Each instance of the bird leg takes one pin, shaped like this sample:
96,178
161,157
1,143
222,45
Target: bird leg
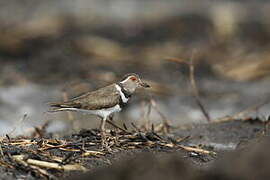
111,117
102,131
111,121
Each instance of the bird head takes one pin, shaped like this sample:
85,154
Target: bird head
132,81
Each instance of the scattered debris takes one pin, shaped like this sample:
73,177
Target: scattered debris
45,157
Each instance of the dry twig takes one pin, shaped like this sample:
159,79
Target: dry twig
17,125
116,126
193,83
197,150
165,120
195,89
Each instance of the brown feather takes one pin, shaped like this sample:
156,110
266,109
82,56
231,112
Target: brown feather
105,97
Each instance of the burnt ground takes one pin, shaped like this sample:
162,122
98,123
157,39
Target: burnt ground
201,151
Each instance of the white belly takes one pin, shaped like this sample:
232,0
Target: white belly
101,112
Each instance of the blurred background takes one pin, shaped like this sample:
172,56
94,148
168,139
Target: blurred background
53,49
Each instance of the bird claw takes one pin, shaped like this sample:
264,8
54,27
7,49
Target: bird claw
104,143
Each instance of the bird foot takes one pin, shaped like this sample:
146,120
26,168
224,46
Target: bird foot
104,143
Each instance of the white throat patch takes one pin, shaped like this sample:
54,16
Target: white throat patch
123,97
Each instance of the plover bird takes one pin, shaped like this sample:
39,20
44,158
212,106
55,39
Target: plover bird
104,101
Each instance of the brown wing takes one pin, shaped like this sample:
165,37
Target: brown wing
102,98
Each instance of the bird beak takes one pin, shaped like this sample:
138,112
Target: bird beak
145,85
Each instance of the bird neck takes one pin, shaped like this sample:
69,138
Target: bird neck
125,92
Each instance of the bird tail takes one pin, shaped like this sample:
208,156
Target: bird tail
58,110
61,105
56,107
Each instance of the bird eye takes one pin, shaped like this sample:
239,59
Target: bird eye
133,78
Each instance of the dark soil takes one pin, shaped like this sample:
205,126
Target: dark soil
133,154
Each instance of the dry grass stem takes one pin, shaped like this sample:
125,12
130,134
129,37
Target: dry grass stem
50,165
116,126
18,124
197,150
178,60
1,150
265,126
193,83
195,89
93,153
165,125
